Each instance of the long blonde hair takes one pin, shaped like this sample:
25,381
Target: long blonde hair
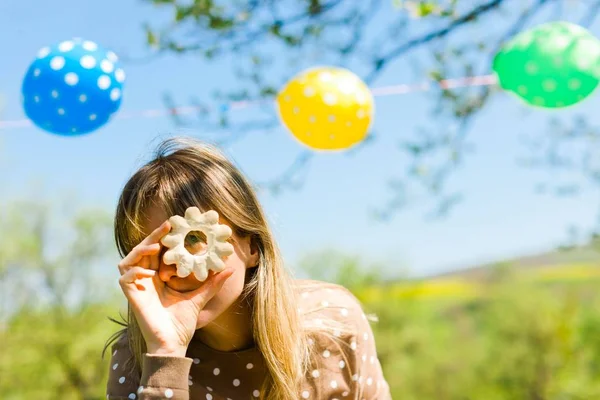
185,172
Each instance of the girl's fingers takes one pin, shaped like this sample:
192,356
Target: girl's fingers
136,255
155,258
211,287
133,274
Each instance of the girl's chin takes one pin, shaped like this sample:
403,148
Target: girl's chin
180,285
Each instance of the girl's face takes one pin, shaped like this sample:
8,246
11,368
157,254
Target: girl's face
243,257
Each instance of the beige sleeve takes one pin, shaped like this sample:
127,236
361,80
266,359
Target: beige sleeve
368,380
162,377
350,369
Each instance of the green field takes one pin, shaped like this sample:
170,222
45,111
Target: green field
457,287
517,334
512,333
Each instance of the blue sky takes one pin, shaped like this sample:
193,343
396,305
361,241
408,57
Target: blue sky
500,217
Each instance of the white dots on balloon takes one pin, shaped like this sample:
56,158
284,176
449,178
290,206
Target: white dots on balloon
360,114
531,68
43,52
115,94
361,97
107,66
71,78
66,46
112,57
89,46
574,84
57,63
309,91
538,100
561,41
87,62
329,99
584,62
325,77
72,87
347,86
104,82
120,75
549,85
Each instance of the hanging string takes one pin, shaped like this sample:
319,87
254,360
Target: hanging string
393,90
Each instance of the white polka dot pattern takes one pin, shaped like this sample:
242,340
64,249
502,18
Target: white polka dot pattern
353,370
346,370
64,74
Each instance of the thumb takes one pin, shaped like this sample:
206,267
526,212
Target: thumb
210,288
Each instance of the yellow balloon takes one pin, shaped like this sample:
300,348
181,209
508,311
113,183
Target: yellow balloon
327,108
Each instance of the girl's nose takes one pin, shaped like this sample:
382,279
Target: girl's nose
166,272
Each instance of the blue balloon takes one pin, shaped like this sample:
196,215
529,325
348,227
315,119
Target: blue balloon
73,87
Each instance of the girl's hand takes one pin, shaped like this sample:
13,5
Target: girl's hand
167,318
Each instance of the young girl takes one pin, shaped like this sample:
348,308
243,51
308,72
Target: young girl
248,332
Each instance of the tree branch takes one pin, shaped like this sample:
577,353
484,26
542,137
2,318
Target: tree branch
478,11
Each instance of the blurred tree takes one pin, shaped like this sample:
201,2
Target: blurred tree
444,38
54,303
344,269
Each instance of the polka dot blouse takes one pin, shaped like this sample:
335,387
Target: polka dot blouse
350,370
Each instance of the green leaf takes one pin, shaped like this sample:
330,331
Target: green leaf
181,13
219,23
151,38
425,8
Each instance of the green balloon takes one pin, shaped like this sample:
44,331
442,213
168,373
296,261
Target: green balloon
553,65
